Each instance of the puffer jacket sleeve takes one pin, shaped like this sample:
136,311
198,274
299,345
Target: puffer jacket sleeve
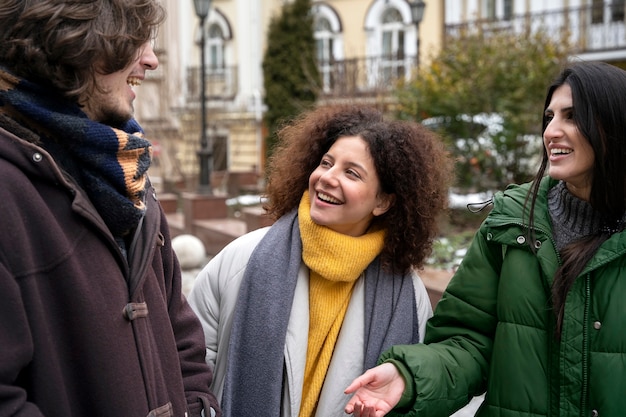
452,366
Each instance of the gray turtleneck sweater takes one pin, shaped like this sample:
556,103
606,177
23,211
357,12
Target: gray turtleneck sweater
572,218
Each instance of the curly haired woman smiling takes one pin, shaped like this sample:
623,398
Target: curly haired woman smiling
293,312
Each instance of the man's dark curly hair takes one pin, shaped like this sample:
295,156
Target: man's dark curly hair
63,44
410,161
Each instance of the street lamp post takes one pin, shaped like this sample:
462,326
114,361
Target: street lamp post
417,14
204,154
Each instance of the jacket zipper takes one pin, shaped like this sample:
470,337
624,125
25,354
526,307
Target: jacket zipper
585,359
552,378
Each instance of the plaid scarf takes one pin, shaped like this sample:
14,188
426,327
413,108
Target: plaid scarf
111,164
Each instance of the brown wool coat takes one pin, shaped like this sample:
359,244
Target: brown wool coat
83,332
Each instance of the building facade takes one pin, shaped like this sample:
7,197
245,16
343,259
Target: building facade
363,46
595,28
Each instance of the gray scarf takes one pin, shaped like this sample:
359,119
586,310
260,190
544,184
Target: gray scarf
254,375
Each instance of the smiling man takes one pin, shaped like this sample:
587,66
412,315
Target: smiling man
92,320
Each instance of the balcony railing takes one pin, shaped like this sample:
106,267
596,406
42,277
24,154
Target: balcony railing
220,83
588,29
358,77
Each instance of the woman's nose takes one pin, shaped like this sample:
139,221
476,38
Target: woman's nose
553,130
329,177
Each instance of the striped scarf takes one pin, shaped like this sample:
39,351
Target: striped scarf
111,164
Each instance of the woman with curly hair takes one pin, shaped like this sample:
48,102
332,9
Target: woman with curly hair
293,312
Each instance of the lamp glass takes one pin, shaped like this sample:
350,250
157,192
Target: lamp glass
417,11
202,7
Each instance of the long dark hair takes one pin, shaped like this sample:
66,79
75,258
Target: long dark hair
599,101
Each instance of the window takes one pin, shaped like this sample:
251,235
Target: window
221,81
490,9
324,46
329,47
617,10
498,9
215,49
508,10
597,12
392,45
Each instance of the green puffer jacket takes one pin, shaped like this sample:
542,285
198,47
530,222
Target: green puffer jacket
493,328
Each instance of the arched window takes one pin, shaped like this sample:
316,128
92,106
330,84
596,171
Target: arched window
324,49
391,42
221,73
329,48
215,49
393,53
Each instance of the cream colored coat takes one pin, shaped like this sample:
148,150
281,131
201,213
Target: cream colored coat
213,299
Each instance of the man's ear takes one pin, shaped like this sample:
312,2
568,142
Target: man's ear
385,202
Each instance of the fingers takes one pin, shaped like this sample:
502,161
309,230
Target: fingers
358,383
369,377
354,406
355,385
359,409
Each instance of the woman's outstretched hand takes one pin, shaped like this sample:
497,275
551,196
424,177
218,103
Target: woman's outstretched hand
376,392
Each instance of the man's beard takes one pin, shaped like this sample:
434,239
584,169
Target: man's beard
114,118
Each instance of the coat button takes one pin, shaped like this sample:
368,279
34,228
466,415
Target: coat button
597,325
37,157
521,240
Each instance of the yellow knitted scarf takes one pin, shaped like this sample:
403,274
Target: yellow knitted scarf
335,261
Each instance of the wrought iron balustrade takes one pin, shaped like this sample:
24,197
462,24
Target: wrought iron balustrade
592,28
358,77
221,83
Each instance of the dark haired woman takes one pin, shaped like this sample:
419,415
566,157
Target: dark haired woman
535,314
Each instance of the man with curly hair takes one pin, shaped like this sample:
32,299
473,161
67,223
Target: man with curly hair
92,319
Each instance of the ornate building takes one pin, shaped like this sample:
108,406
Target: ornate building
363,45
595,28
